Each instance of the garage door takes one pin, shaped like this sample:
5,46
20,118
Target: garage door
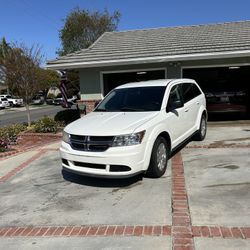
227,88
112,80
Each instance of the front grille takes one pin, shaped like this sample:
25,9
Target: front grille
91,143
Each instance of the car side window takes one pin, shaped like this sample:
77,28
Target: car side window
187,92
196,90
174,96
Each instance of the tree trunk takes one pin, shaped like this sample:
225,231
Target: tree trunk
28,114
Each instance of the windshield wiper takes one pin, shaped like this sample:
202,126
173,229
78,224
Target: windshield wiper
130,109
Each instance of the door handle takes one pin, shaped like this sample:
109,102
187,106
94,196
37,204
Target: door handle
197,103
186,110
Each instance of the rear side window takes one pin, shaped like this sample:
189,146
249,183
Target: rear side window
196,90
189,91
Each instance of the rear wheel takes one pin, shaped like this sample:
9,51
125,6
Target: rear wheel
201,133
159,158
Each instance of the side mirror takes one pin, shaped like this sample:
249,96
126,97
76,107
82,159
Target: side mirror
174,105
177,104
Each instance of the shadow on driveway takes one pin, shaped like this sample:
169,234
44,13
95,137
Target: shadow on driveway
101,182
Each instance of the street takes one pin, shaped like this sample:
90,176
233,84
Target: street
19,115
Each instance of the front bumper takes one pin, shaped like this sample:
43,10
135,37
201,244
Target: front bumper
129,160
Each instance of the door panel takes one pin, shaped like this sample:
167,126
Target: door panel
192,103
175,116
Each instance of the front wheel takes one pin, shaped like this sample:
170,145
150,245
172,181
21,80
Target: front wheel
201,133
159,158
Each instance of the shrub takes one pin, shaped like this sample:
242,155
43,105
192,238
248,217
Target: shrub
9,133
3,145
67,116
45,125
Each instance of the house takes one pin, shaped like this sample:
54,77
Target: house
216,55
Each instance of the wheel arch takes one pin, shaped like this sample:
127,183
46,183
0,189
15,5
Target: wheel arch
151,142
201,112
204,113
166,136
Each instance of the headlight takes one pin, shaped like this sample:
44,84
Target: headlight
66,137
128,140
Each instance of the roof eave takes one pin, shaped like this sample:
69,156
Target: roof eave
156,59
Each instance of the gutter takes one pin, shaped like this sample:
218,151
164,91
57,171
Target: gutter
142,60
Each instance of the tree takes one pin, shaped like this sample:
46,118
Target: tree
48,78
72,82
4,48
82,28
22,76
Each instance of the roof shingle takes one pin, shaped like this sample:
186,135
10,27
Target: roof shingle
183,40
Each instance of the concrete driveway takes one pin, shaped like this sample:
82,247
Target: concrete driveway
202,202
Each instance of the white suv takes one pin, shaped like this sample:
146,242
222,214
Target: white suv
135,128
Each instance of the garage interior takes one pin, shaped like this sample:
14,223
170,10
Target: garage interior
227,90
113,80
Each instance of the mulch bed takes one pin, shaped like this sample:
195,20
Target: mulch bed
28,141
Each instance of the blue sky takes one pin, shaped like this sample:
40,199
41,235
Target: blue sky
39,22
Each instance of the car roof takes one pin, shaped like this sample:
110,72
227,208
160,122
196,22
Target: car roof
154,83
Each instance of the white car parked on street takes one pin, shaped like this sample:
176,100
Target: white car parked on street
4,103
13,101
135,129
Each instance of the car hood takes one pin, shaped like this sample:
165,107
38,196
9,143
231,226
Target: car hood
109,123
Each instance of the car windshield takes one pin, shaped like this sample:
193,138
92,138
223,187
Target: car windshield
137,99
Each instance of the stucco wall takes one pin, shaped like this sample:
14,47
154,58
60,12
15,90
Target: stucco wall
90,87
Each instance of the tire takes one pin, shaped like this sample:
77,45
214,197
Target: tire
201,133
159,158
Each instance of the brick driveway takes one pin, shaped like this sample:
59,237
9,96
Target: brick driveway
202,202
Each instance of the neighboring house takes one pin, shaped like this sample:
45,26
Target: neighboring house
54,91
216,55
